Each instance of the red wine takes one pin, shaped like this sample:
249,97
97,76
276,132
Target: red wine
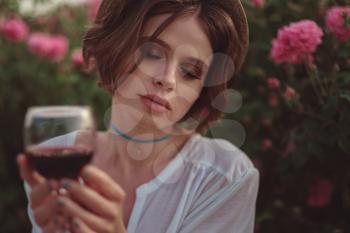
59,162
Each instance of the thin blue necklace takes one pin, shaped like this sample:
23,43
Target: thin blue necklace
129,138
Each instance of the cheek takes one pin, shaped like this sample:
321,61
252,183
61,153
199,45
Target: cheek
182,106
189,92
152,68
186,97
131,87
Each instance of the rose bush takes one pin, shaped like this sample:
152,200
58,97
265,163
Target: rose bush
296,86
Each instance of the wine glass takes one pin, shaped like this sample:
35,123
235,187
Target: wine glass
59,140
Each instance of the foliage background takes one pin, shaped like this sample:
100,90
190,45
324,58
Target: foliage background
294,142
310,138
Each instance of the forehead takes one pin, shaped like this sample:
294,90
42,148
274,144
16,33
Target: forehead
184,35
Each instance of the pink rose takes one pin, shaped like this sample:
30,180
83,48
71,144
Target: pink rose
273,83
205,111
46,46
59,47
320,193
273,100
77,57
289,92
335,21
296,42
266,144
14,30
258,3
39,44
94,6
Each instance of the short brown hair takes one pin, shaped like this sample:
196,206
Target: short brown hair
117,31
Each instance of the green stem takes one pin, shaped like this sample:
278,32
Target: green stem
320,83
334,84
290,73
315,81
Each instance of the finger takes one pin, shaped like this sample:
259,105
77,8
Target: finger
79,226
103,184
90,199
27,172
41,191
46,211
57,224
50,228
73,210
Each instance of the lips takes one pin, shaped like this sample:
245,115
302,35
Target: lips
158,100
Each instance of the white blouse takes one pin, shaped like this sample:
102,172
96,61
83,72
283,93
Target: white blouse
211,186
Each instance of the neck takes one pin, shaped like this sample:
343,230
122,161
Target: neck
149,160
122,151
137,126
118,131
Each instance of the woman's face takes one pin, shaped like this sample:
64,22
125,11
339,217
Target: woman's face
167,82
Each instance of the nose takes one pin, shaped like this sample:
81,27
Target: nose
166,80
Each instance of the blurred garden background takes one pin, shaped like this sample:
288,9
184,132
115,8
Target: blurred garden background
295,88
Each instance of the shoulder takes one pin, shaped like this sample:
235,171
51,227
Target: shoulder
221,157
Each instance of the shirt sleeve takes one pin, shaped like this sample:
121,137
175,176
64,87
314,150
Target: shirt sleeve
36,228
67,139
228,210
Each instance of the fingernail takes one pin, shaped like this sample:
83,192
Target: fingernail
66,184
60,203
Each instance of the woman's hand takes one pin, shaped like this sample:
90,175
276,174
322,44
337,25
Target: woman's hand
95,206
42,198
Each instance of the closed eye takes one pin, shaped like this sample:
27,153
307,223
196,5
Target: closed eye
189,70
151,52
194,73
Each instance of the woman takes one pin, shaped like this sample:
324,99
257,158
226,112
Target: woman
164,62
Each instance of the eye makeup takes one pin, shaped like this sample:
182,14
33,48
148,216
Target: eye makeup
155,49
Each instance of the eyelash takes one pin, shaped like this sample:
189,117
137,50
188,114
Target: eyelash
191,75
147,53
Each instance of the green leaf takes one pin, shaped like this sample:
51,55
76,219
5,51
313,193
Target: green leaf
344,78
345,95
346,19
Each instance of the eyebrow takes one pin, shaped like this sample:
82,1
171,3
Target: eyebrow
194,60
